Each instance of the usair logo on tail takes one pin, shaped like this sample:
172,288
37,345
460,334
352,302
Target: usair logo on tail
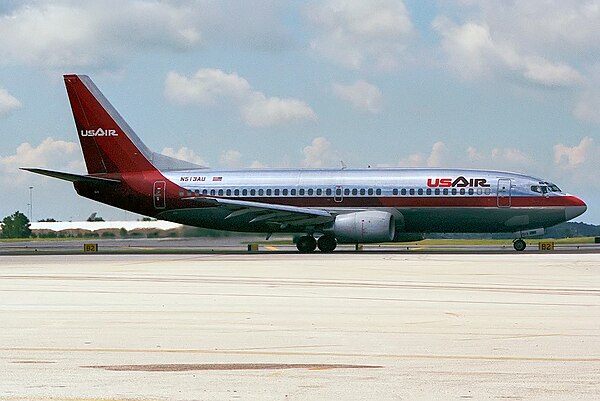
98,132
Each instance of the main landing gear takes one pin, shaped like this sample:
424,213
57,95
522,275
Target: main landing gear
519,245
307,243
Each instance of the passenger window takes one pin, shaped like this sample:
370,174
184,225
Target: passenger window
220,192
445,191
229,192
454,191
362,191
276,192
338,192
354,191
310,191
205,192
261,192
252,192
213,192
319,192
479,191
197,192
463,191
403,192
346,191
370,192
293,192
437,191
411,191
420,191
181,194
236,192
244,192
268,192
328,192
487,191
301,191
378,191
395,191
285,192
428,191
471,191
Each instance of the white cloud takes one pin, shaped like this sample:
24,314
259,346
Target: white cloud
498,159
357,34
184,153
436,158
67,34
361,95
319,154
59,155
8,103
473,51
257,164
570,157
231,158
209,86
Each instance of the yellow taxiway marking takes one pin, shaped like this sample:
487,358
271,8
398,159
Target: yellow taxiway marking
271,248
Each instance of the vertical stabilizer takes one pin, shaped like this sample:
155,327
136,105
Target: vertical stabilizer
109,144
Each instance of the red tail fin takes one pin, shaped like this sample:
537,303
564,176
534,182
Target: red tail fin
109,144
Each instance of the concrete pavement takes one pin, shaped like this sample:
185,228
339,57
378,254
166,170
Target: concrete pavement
298,327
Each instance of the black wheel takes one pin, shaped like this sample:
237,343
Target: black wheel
519,245
327,243
306,244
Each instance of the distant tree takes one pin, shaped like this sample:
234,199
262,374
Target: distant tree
16,226
123,232
49,220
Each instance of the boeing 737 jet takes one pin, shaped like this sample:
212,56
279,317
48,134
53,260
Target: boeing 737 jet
325,206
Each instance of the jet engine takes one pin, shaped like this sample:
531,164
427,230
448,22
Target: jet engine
364,227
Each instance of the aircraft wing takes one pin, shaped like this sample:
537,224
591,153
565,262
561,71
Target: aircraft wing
268,213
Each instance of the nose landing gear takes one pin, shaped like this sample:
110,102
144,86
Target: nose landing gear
519,245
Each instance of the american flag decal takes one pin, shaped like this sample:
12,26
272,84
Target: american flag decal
217,179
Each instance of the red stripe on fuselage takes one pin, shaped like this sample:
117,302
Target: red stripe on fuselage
400,202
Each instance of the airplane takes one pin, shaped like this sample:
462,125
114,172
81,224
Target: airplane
324,206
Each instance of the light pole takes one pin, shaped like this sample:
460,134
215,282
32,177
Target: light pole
31,203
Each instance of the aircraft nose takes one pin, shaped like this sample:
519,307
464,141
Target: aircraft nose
576,208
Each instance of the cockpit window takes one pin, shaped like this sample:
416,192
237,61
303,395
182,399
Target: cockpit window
545,187
554,188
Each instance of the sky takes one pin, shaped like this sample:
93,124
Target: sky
508,85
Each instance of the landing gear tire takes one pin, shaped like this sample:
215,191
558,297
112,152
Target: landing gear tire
327,243
306,244
519,245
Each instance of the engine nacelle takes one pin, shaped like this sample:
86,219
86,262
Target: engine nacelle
364,227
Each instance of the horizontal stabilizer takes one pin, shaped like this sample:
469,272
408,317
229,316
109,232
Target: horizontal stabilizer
71,177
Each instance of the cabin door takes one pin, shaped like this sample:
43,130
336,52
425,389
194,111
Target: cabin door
159,194
503,193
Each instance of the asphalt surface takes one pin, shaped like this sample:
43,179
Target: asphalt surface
272,326
240,244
